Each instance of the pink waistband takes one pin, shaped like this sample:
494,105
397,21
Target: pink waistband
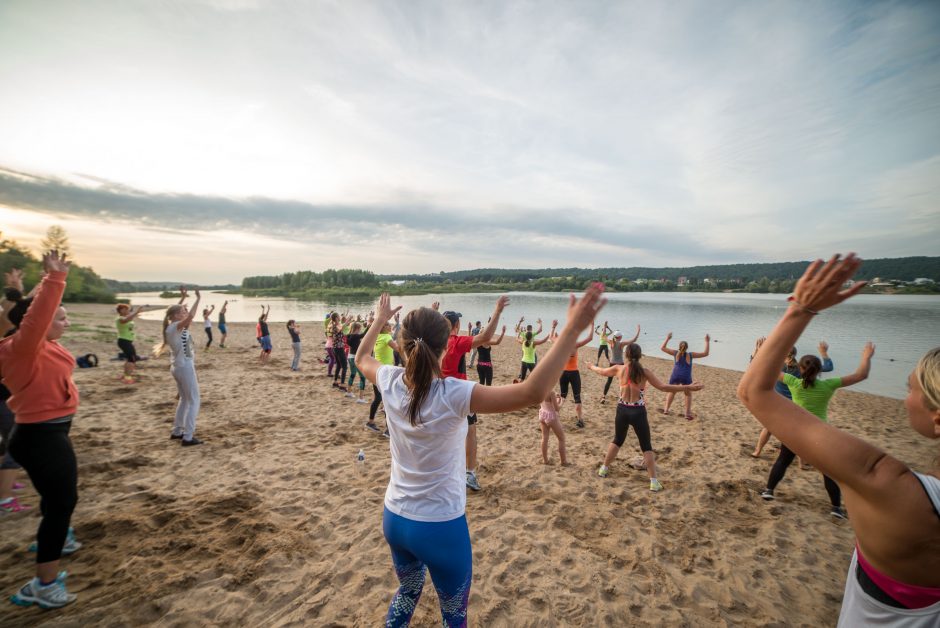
910,595
484,364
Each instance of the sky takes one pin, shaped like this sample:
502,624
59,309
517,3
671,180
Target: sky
207,141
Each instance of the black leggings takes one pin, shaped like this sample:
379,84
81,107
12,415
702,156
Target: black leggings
339,354
610,379
45,451
375,403
209,334
780,468
526,368
635,416
573,378
486,374
603,349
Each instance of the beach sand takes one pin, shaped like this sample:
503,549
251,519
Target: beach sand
272,522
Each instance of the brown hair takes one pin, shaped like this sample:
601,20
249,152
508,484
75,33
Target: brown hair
424,334
528,339
122,306
683,347
635,370
170,313
810,367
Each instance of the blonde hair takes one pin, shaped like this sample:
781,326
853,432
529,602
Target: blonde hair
927,373
170,313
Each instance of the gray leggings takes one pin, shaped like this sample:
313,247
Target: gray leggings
188,407
296,363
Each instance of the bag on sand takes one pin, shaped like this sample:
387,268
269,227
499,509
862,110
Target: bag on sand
89,360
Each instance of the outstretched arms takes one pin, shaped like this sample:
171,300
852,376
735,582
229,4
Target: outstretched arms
702,354
484,337
864,367
665,348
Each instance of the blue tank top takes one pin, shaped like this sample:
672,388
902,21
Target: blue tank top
682,369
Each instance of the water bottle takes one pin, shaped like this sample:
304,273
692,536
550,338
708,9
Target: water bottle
361,456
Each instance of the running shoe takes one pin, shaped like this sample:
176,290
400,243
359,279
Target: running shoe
372,426
472,482
767,494
190,442
52,595
602,471
579,423
71,546
12,505
839,512
175,436
349,395
655,485
361,401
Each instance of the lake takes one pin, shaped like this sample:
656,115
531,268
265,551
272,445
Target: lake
902,327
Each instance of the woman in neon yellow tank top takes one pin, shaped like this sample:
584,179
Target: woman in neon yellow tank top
529,343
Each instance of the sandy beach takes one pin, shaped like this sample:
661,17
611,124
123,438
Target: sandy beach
272,522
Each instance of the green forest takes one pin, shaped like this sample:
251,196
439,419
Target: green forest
84,285
777,277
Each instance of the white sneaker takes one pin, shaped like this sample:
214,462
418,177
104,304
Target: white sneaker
361,401
50,596
350,395
472,481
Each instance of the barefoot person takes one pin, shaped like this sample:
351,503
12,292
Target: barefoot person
223,328
125,331
455,365
894,573
682,370
792,367
549,422
176,336
813,394
571,376
631,410
38,372
424,520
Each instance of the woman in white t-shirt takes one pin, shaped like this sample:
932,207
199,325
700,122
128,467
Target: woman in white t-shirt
176,336
424,521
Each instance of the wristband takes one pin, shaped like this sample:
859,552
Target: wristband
793,300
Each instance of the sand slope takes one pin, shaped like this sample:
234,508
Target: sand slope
272,522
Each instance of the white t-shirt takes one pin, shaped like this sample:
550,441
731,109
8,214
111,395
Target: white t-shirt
429,461
181,345
207,322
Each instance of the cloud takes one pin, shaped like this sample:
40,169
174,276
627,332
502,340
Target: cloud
531,232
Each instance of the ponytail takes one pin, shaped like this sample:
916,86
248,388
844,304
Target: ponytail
635,369
170,312
810,367
424,339
528,339
683,347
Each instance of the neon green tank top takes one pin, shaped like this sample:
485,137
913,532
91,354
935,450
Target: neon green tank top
383,352
125,330
528,353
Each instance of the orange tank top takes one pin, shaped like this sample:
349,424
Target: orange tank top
572,363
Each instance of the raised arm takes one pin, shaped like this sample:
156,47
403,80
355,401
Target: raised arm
827,366
495,399
132,314
367,364
665,348
859,466
607,371
502,335
702,354
224,307
636,337
864,367
183,295
590,337
484,337
41,313
186,322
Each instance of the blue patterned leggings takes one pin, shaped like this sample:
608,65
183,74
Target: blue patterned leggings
443,548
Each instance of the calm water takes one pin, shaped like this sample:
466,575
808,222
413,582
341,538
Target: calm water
902,327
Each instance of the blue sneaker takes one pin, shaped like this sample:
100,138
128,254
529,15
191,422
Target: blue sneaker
71,545
52,595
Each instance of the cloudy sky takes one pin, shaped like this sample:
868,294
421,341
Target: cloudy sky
206,141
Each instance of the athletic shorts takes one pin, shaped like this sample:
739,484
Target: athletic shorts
680,380
127,346
222,328
265,343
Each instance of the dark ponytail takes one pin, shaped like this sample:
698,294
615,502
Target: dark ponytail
528,339
635,369
810,367
424,334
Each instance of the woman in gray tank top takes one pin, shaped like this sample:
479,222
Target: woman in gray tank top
894,573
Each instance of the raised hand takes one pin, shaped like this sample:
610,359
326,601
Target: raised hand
581,312
196,291
501,303
14,279
555,323
52,262
869,350
384,311
669,336
758,343
436,306
820,287
707,337
504,329
823,347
